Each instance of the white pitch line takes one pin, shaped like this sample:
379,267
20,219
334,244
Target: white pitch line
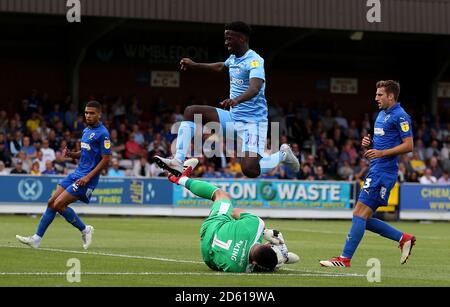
313,273
106,254
172,273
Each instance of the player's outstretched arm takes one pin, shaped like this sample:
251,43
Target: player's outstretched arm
187,63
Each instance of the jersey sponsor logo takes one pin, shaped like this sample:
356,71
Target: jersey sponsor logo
383,192
254,64
107,144
379,131
237,81
92,136
387,118
404,126
85,146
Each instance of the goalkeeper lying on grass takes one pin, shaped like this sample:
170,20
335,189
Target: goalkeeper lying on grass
231,239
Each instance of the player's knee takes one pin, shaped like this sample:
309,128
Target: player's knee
58,206
250,170
220,194
51,203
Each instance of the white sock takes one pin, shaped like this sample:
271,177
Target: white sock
85,230
183,181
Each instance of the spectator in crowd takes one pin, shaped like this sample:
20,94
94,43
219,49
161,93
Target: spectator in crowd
3,121
346,172
28,148
413,177
320,174
235,167
118,147
40,160
435,168
341,120
3,170
226,173
5,156
428,177
25,159
420,148
138,135
35,171
71,115
305,172
59,164
56,114
432,150
18,169
16,144
33,101
132,149
328,119
444,179
210,172
78,126
33,122
417,164
49,169
47,152
353,131
142,168
114,170
402,173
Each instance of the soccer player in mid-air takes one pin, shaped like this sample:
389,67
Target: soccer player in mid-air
230,238
248,109
94,156
392,137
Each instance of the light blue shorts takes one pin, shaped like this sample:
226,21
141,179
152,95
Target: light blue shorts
252,136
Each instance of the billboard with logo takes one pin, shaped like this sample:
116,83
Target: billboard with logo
275,194
421,197
110,191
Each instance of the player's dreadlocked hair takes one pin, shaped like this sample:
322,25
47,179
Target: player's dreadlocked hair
94,104
266,259
239,26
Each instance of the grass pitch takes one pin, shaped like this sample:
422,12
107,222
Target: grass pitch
164,252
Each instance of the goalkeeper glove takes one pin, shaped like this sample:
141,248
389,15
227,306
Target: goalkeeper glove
273,236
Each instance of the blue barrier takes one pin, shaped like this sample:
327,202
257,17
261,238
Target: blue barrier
275,194
110,191
421,197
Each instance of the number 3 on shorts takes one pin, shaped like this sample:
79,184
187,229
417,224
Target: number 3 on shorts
367,183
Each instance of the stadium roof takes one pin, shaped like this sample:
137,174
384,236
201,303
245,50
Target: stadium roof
412,16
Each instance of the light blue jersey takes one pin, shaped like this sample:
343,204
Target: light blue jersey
241,70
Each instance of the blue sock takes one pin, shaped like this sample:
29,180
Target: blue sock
354,236
46,219
269,163
185,134
383,229
73,218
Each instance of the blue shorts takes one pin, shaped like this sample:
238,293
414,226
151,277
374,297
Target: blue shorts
376,189
83,193
252,135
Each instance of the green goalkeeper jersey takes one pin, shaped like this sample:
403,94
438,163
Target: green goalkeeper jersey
226,242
